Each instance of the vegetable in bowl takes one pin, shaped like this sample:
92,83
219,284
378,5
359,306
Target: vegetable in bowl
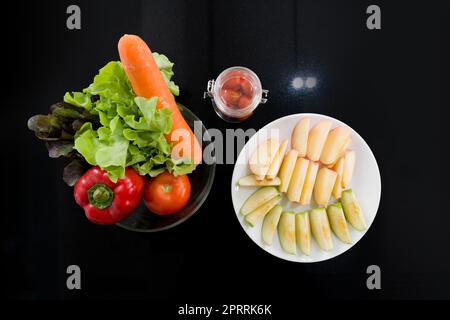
125,124
111,127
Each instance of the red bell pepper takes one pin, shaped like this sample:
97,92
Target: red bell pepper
104,201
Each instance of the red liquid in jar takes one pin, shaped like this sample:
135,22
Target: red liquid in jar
237,92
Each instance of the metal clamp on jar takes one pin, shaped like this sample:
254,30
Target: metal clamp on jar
236,93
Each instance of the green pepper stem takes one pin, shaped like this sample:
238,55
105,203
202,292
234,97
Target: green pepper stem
100,195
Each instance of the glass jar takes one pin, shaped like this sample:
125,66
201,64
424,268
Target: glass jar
236,93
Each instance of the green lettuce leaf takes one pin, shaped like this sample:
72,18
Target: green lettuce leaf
166,66
132,130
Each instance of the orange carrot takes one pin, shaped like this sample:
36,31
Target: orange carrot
147,81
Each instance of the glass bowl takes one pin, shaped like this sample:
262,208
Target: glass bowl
143,220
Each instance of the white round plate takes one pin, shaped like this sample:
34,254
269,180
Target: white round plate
366,184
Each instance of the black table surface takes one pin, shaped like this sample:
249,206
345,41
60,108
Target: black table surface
388,84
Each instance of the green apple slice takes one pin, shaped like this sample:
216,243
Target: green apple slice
320,228
252,181
270,224
303,232
286,232
352,210
253,217
258,198
338,223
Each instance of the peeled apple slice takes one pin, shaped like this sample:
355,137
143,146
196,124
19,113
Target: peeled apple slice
299,138
252,181
324,186
262,157
256,215
338,223
339,168
310,180
303,232
258,198
286,232
349,168
320,228
287,167
297,180
336,140
277,160
345,146
352,210
316,139
270,224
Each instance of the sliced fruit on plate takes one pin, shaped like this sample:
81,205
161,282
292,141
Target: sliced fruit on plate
277,160
262,157
303,232
287,167
324,186
297,180
286,232
349,168
341,153
256,215
310,180
270,224
258,198
320,228
252,181
299,138
338,223
345,146
316,139
352,210
339,168
336,140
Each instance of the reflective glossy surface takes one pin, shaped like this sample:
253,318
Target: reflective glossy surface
390,85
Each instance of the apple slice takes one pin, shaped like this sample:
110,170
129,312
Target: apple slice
339,168
286,232
252,181
338,223
352,210
262,157
349,168
310,180
256,215
336,140
258,198
287,167
316,139
298,179
270,224
324,186
320,228
277,160
303,232
345,146
299,138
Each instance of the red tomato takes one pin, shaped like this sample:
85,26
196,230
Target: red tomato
230,97
232,84
246,88
244,101
167,194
